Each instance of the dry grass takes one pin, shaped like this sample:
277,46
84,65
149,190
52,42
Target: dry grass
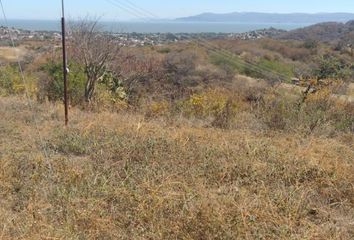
10,54
118,176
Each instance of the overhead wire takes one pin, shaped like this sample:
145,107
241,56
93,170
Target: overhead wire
139,12
43,148
136,9
122,7
142,9
264,71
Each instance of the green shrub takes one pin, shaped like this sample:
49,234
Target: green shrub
109,91
53,85
310,44
11,81
332,67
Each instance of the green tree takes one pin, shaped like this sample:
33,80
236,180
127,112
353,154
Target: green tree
94,50
53,84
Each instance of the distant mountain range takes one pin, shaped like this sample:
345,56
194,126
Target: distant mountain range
254,17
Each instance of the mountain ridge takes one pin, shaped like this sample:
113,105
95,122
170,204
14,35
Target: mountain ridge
257,17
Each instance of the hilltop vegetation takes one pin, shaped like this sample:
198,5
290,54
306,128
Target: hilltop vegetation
341,33
180,141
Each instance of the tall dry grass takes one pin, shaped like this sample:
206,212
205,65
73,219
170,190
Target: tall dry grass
120,176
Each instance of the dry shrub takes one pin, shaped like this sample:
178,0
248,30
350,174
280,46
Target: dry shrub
224,117
277,111
104,100
157,109
216,105
317,113
328,116
289,50
210,102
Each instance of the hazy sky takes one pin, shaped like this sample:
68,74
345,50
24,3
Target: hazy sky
119,10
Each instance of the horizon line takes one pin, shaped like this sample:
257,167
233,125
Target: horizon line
174,18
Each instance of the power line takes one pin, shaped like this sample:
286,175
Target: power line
213,46
236,59
264,71
121,7
140,11
43,144
143,10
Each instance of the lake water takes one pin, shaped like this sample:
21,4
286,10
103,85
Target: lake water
156,27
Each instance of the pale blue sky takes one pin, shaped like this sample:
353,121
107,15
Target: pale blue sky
50,9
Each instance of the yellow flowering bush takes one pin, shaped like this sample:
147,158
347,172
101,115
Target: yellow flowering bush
209,103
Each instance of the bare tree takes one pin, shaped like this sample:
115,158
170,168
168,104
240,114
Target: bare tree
94,49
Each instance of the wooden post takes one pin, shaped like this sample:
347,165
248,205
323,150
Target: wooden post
65,68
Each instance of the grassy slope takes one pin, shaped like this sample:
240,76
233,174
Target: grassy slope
116,176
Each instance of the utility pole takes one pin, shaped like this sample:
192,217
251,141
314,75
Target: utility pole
65,68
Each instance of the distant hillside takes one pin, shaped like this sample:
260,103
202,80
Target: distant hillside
252,17
329,31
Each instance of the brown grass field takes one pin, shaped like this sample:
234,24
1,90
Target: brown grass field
120,176
10,54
